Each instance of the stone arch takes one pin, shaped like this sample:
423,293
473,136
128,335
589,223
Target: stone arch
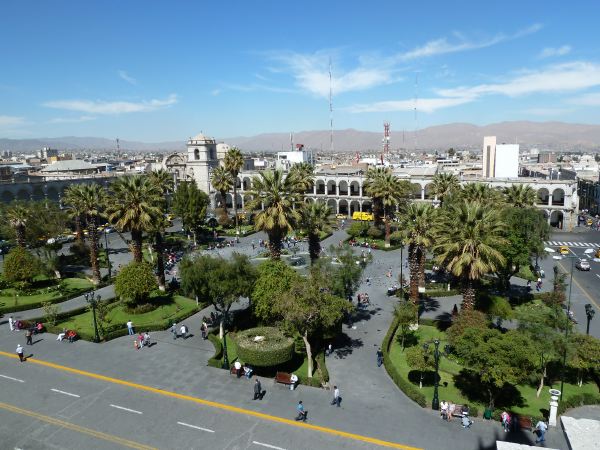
354,206
320,187
557,218
23,194
343,187
239,201
558,197
238,183
229,200
196,154
354,189
332,203
367,206
542,196
415,191
52,193
343,207
428,189
218,200
37,193
309,200
246,183
331,188
7,196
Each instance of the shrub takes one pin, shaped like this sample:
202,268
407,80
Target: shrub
216,360
357,229
273,350
577,400
20,266
135,282
375,233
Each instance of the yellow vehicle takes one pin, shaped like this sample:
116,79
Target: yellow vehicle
590,222
365,216
564,250
597,255
340,216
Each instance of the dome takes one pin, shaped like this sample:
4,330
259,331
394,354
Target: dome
200,137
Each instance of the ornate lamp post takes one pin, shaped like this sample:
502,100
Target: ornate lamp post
107,252
589,313
225,356
93,300
435,403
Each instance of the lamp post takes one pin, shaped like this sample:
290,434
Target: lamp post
562,375
435,403
225,357
93,300
589,313
107,252
401,267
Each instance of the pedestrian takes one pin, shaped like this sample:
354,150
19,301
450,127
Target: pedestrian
451,409
130,328
19,351
541,428
444,410
379,357
174,330
203,329
183,331
301,412
141,339
28,335
329,350
336,397
505,418
257,390
11,323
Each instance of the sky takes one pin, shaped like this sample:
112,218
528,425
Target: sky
165,70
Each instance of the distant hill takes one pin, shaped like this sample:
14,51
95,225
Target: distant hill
544,135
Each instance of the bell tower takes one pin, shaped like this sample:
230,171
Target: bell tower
202,159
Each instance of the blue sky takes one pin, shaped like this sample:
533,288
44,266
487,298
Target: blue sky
158,70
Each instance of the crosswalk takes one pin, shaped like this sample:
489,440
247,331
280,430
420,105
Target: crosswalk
573,244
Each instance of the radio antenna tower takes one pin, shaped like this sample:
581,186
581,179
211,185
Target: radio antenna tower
118,149
416,102
386,138
330,109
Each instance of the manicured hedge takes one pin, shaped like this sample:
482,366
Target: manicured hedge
577,400
216,360
274,350
36,305
405,386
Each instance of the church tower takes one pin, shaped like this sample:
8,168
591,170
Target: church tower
201,160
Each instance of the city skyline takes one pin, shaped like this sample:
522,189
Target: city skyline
164,72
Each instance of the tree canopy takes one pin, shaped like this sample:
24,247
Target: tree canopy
275,278
135,282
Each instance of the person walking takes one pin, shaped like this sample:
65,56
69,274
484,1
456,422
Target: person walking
19,351
336,397
505,417
541,429
11,323
183,331
29,336
130,327
379,357
301,412
257,390
174,330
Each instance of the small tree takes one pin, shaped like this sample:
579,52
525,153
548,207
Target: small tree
275,278
584,355
466,319
358,229
344,276
190,204
406,313
20,266
50,312
135,282
420,359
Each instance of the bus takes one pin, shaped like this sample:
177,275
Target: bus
364,216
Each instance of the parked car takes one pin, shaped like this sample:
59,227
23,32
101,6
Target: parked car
583,264
564,250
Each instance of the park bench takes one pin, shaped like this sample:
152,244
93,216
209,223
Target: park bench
458,411
524,423
232,370
283,378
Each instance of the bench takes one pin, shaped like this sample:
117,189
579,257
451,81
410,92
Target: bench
524,423
283,378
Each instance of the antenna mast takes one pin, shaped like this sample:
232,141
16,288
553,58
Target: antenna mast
416,102
118,149
330,109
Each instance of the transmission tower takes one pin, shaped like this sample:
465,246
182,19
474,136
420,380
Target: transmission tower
330,109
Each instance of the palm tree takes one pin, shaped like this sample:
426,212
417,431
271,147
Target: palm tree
17,216
234,161
72,199
222,182
303,175
371,178
163,182
134,209
520,195
389,191
279,196
444,184
480,192
92,199
466,238
314,218
416,227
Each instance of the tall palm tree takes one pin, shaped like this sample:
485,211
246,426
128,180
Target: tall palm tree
417,231
234,161
222,182
520,195
18,215
163,182
466,238
390,191
371,178
314,218
303,175
92,199
72,199
444,184
135,209
480,192
279,196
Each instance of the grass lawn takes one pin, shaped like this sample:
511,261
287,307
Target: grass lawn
69,287
117,316
449,368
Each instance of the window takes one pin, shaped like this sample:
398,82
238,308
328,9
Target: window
196,154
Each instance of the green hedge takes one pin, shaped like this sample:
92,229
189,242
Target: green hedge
216,360
321,364
405,386
577,400
36,305
276,349
441,292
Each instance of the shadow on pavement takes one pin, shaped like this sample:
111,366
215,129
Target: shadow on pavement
345,345
428,304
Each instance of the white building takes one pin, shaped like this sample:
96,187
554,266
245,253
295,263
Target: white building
285,160
500,160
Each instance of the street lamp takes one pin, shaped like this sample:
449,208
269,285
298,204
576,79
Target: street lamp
435,403
107,252
225,357
93,300
589,312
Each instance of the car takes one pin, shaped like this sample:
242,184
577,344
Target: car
583,264
564,250
341,216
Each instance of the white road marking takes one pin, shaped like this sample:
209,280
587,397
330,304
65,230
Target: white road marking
65,393
196,427
126,409
268,445
11,378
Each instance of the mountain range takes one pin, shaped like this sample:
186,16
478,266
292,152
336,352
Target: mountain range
542,135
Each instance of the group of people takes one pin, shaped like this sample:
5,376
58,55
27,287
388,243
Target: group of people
448,410
181,331
362,300
143,340
242,369
69,335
